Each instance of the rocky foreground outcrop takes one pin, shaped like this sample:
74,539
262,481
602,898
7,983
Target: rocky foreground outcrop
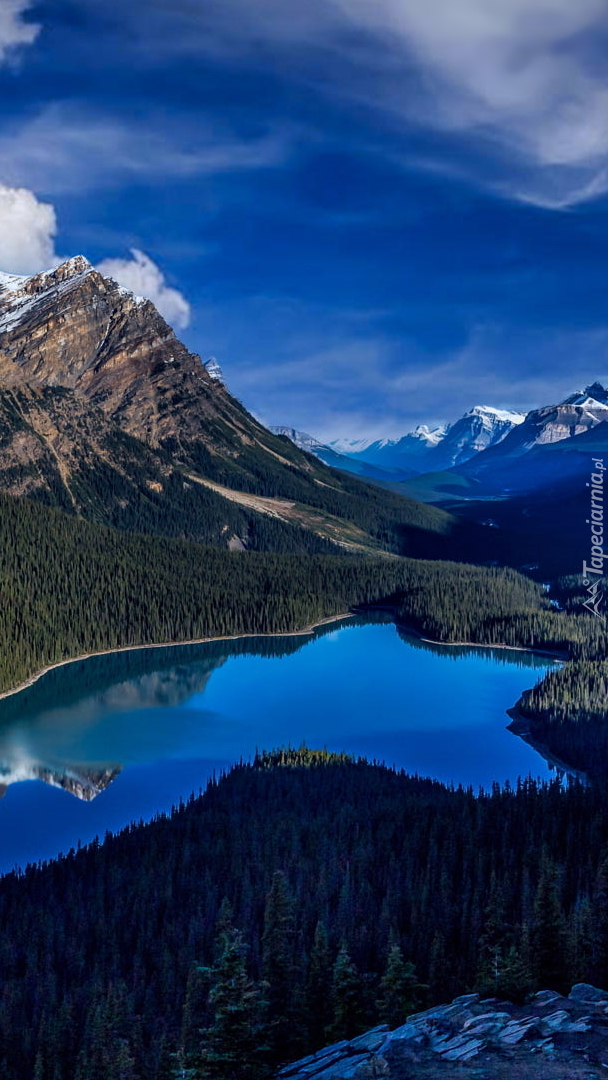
552,1037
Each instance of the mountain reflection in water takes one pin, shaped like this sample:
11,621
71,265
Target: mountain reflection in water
70,730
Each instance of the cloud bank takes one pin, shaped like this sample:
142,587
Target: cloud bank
519,86
142,276
14,31
68,149
27,232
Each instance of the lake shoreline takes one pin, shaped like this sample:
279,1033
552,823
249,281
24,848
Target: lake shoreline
168,645
560,657
521,725
414,631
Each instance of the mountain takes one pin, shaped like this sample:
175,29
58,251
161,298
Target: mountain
214,370
407,453
105,413
326,453
426,450
479,429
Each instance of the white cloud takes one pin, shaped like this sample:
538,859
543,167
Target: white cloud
27,232
523,73
65,149
525,82
27,246
13,30
142,276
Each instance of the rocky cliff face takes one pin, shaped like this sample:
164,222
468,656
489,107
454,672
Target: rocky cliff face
74,328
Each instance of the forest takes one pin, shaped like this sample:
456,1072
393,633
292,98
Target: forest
69,587
302,898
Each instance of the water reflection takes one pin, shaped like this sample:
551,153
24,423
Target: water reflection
79,725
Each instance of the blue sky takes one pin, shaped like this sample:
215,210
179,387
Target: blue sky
375,213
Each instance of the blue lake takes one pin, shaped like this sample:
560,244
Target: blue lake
102,742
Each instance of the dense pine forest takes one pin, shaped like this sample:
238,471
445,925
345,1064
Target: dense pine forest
69,587
299,900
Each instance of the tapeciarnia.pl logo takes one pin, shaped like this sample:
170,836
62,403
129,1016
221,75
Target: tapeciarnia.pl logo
596,521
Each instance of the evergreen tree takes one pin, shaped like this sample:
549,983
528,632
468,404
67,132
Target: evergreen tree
280,971
400,992
346,998
232,1045
548,938
599,927
318,987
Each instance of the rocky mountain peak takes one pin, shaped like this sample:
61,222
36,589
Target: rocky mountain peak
213,369
72,327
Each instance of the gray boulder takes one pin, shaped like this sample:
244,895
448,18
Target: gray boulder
518,1030
585,993
487,1023
346,1069
545,997
370,1041
561,1021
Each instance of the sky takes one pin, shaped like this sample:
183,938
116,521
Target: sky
374,213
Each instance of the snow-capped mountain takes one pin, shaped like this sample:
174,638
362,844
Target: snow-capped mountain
593,396
300,438
480,428
328,453
428,449
214,370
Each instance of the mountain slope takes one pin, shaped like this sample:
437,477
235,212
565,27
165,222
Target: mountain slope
73,331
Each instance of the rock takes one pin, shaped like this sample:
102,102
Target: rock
458,1048
487,1023
410,1035
518,1030
545,997
370,1041
557,1021
466,999
586,993
453,1014
321,1063
314,1063
346,1069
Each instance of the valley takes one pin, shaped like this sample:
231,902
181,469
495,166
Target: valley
141,505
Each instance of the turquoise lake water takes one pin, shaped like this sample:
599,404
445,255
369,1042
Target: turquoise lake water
146,728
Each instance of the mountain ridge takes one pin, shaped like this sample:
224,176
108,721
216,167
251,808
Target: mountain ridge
85,365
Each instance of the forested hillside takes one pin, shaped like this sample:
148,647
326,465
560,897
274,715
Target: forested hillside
123,960
69,587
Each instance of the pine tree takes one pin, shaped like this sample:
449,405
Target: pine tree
346,998
548,937
318,987
493,944
399,991
599,927
232,1046
279,970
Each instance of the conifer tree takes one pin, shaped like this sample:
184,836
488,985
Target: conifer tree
232,1045
279,970
548,937
318,987
346,997
399,991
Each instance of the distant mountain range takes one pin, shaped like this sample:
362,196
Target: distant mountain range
484,443
422,450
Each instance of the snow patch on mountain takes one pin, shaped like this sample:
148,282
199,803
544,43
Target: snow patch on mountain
214,370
